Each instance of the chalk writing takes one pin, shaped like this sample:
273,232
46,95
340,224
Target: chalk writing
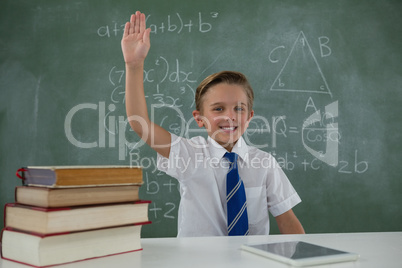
171,208
151,75
152,187
326,131
331,134
319,132
176,23
160,73
291,162
155,210
358,166
115,29
170,185
324,49
170,72
301,60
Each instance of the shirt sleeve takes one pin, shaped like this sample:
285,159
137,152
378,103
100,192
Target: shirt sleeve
181,159
167,164
280,193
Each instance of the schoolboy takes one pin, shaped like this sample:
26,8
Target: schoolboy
224,107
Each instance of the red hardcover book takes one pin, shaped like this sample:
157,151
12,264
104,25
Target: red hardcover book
47,250
59,220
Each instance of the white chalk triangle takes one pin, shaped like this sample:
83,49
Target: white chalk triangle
301,71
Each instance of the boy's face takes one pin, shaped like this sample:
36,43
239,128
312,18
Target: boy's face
224,113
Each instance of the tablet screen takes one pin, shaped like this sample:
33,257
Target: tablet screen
298,252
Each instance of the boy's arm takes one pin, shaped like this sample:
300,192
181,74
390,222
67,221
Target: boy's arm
289,224
135,46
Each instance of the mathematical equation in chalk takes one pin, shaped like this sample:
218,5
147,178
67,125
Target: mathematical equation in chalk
169,187
292,161
162,71
174,23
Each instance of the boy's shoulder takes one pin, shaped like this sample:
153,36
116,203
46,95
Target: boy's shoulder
196,140
256,152
194,144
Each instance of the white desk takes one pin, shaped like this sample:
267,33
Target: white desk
375,249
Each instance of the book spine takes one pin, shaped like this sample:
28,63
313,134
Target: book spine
7,259
16,230
40,176
46,266
37,208
5,211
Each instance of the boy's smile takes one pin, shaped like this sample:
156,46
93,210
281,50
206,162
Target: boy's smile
224,113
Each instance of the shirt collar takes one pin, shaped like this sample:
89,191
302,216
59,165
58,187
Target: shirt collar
216,150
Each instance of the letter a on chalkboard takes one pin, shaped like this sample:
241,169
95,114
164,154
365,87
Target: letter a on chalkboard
301,71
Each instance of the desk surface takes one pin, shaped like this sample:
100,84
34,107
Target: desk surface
375,249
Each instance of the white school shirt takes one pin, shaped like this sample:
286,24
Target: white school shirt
199,166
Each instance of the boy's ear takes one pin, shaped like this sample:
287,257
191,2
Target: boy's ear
198,118
251,114
250,117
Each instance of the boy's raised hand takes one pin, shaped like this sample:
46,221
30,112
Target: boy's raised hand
135,42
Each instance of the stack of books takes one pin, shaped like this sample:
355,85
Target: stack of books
67,214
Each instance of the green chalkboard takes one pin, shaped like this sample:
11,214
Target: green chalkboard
326,74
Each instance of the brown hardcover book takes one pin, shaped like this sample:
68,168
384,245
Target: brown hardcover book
59,220
67,197
78,176
47,250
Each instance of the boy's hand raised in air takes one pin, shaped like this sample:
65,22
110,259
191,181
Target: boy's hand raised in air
135,45
135,42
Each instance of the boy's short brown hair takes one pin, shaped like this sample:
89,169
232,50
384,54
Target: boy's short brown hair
228,77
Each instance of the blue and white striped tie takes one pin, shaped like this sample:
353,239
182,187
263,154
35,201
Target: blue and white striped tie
236,199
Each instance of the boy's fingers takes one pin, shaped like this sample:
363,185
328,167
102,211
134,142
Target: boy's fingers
126,29
137,22
132,23
146,36
142,22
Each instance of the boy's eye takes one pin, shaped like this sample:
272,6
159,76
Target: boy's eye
239,109
218,109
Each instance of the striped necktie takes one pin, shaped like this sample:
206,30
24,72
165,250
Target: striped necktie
236,199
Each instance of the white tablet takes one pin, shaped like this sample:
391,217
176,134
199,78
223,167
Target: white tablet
299,253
